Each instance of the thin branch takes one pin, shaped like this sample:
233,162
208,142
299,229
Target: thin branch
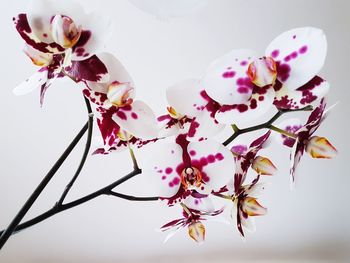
266,125
85,154
58,209
28,204
134,198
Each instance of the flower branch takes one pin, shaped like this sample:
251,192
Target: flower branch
266,125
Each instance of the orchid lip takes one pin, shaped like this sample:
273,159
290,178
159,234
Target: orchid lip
191,177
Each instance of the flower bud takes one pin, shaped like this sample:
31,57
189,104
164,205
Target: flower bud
120,94
263,166
320,147
38,58
64,31
196,231
262,71
251,207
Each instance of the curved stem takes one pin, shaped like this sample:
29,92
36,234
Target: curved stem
266,125
85,154
133,198
58,209
28,204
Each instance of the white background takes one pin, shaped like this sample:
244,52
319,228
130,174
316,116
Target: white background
310,223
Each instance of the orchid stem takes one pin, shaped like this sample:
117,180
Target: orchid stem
132,154
133,198
85,154
266,125
276,129
186,209
28,204
60,208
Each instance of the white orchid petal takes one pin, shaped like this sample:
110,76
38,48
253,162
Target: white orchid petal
226,80
300,54
32,83
185,97
137,119
214,161
258,105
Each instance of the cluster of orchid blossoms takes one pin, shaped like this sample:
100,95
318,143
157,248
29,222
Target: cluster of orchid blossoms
189,165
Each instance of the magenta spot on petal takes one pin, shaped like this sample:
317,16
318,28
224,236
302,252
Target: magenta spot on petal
134,115
243,90
45,35
294,36
294,54
171,184
253,104
275,53
176,180
261,98
303,49
283,71
163,177
121,115
228,74
211,158
244,63
219,156
192,153
168,170
196,202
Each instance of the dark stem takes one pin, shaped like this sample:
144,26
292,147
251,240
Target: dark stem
85,154
133,198
60,208
266,125
28,204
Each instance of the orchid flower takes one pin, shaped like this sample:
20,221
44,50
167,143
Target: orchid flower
189,112
246,86
120,117
247,157
181,168
317,147
195,211
303,140
62,40
244,200
246,206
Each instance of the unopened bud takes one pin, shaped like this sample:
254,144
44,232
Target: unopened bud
196,231
263,166
320,147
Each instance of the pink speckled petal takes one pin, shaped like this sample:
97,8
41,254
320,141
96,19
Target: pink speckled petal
295,156
300,54
116,73
161,167
214,161
204,126
137,119
42,11
204,204
32,83
290,125
258,105
185,97
308,94
226,80
96,31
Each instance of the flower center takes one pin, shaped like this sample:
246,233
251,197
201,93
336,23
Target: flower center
262,71
120,94
64,31
191,177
